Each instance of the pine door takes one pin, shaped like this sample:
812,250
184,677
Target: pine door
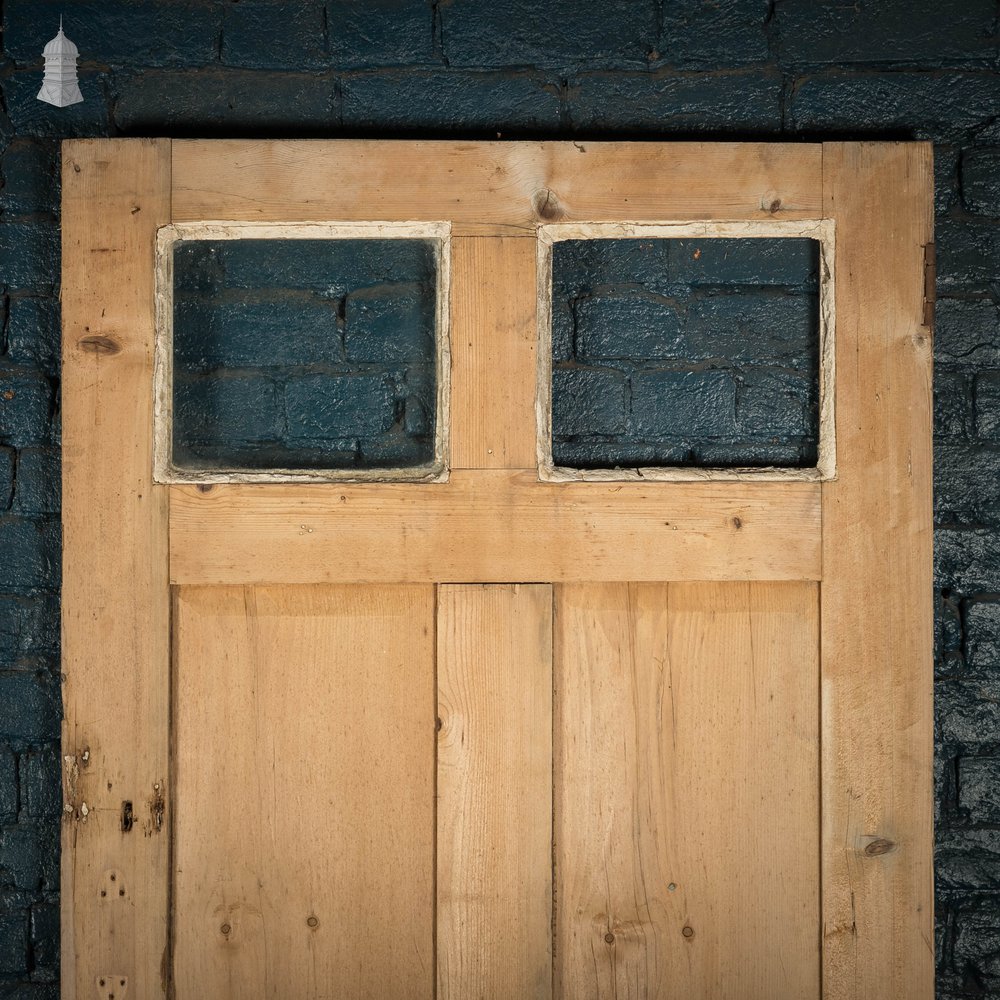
497,729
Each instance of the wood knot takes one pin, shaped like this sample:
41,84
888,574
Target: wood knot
547,206
880,846
98,344
312,921
737,523
609,937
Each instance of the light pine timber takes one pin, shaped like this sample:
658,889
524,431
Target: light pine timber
493,353
877,584
115,618
494,526
686,791
304,853
495,188
494,843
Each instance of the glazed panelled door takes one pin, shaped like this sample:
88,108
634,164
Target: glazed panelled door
500,731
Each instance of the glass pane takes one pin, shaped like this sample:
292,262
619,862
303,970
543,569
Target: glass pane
304,354
685,352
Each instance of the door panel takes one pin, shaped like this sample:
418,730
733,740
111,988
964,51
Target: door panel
633,680
304,787
686,793
494,887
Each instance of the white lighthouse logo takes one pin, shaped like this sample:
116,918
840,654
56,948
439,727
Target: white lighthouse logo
59,86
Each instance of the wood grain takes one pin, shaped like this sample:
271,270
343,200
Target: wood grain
494,888
493,353
877,585
686,791
494,527
493,186
115,648
304,851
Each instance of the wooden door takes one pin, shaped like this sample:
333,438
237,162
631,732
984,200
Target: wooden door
503,731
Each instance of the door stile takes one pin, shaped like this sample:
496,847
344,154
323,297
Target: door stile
877,681
116,602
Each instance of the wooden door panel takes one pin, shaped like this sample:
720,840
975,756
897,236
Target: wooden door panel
686,791
494,891
304,792
499,735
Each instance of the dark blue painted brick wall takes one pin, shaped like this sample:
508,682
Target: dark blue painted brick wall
304,353
685,352
640,68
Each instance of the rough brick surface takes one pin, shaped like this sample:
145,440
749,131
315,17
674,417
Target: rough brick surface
743,68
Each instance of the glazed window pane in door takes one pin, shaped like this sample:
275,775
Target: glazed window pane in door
510,728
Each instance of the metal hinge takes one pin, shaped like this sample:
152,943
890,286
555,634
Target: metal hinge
930,283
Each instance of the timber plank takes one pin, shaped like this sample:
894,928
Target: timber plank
115,597
878,926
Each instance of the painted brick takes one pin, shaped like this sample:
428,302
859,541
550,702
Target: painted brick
22,858
8,785
419,401
7,459
987,395
981,181
965,484
777,403
32,117
979,788
13,944
30,991
40,780
977,948
37,488
713,36
681,404
890,31
25,409
520,103
392,324
33,332
621,453
967,332
757,327
982,636
953,414
395,449
587,266
258,331
721,103
967,860
967,559
331,268
249,37
45,941
140,32
744,262
629,326
338,406
968,252
216,411
587,401
969,714
501,33
381,33
31,550
29,706
30,178
29,626
29,255
946,194
940,106
157,101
